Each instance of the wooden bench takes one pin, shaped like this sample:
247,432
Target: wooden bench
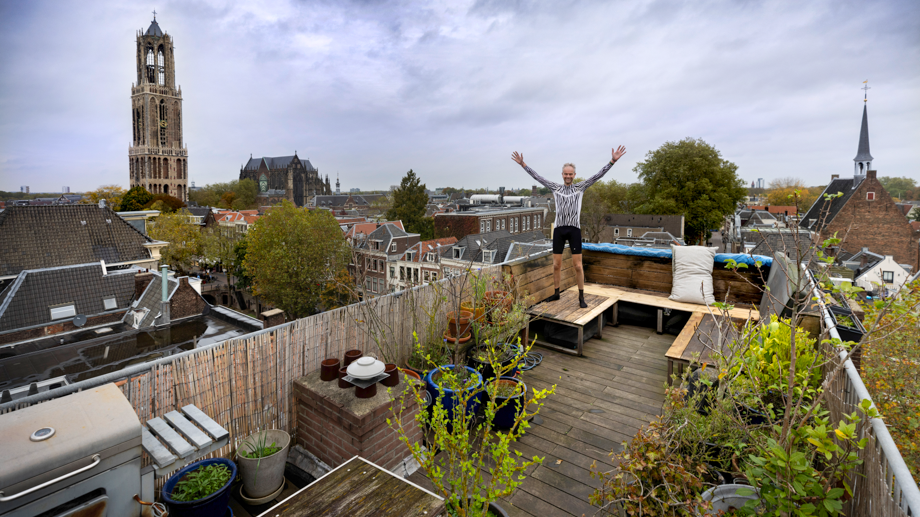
694,343
358,488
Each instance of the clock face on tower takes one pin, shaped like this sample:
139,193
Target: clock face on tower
162,123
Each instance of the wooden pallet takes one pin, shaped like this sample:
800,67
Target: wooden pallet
566,311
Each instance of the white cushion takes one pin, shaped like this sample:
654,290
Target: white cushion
692,267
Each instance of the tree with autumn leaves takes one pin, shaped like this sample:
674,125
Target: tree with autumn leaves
292,254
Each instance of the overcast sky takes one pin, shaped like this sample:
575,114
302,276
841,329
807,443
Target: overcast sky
371,89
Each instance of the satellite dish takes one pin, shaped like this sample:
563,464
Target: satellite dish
79,320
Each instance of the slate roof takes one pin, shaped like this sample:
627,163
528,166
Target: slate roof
27,300
148,304
812,218
342,199
500,241
39,237
385,234
770,241
277,162
422,248
862,153
154,29
201,211
673,224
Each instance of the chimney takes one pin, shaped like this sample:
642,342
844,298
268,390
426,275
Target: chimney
834,176
870,174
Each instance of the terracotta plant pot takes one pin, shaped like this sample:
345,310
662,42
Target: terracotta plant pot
457,340
477,312
411,375
498,300
329,369
366,393
352,356
458,325
393,372
342,382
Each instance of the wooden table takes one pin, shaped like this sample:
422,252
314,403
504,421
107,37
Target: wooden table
566,311
358,488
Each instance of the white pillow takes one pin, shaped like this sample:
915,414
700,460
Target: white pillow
692,267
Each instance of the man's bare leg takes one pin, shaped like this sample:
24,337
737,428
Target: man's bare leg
557,276
580,278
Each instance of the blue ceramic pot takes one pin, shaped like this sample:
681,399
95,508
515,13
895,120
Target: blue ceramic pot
214,505
449,400
506,415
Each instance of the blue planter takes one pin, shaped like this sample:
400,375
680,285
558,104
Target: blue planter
506,415
449,400
485,368
214,505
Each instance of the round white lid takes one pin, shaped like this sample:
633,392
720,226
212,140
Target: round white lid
366,368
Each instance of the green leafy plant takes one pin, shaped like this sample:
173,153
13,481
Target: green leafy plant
201,483
461,446
258,449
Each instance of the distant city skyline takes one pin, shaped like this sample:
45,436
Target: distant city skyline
450,90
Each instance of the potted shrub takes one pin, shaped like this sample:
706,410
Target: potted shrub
469,444
201,489
262,457
458,324
848,325
509,397
481,358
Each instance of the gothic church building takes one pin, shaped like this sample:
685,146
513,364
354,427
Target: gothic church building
158,158
285,177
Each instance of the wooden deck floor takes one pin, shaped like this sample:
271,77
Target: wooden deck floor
601,400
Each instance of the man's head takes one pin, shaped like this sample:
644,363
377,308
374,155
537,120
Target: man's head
568,173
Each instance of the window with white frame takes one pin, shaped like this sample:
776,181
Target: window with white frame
434,276
503,224
458,252
488,225
427,276
482,226
616,232
629,232
430,257
415,275
63,311
109,303
888,277
392,271
488,256
393,247
402,273
870,196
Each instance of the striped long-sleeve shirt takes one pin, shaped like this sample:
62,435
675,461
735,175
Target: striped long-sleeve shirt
568,197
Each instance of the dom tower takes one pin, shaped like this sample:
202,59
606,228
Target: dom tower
158,158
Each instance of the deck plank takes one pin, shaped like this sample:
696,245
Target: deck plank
601,400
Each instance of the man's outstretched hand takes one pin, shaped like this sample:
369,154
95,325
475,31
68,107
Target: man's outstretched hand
518,157
617,153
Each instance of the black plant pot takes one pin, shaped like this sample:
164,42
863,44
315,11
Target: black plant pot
485,368
696,385
849,331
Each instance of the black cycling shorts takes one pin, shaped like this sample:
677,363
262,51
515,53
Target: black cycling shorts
567,233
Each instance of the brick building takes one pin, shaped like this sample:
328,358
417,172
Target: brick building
420,264
514,220
371,256
865,215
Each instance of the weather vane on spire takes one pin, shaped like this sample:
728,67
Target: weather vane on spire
865,90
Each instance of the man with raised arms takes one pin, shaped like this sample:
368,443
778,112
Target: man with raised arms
568,198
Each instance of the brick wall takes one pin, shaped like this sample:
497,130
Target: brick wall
335,434
141,281
455,226
185,302
878,225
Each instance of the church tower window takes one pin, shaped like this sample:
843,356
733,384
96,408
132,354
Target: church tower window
161,66
163,123
151,65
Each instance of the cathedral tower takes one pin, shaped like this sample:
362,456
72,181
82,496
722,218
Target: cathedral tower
158,158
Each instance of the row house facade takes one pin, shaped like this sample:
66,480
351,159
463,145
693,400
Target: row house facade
419,265
373,254
512,220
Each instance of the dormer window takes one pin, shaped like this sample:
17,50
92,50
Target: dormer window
458,252
870,196
430,257
410,256
393,248
488,256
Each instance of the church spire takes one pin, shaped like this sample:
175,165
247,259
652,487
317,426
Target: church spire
863,160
